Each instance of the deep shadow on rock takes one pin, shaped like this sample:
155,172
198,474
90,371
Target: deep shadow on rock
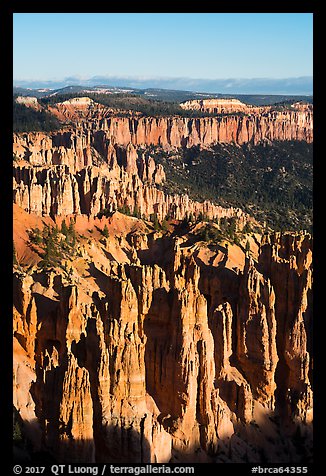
130,447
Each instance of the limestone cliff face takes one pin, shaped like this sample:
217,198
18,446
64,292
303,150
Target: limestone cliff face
296,124
163,363
185,132
255,123
67,180
28,101
231,105
218,106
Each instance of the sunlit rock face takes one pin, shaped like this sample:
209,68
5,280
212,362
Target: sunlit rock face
152,367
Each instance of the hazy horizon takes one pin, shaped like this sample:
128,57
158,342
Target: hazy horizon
287,86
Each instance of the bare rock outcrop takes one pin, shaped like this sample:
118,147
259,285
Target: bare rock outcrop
60,190
256,333
287,260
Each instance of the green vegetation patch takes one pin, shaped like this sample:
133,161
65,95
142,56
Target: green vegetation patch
53,244
27,119
272,182
225,229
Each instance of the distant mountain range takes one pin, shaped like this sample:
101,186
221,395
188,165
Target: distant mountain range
287,86
169,95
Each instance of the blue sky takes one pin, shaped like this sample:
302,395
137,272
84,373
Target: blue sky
193,45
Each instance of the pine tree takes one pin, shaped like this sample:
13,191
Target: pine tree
125,210
45,232
71,229
64,228
246,229
164,225
36,236
155,222
136,212
232,227
14,255
200,217
105,231
17,434
50,252
55,234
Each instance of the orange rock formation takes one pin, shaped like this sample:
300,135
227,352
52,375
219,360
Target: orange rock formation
155,349
165,361
64,175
